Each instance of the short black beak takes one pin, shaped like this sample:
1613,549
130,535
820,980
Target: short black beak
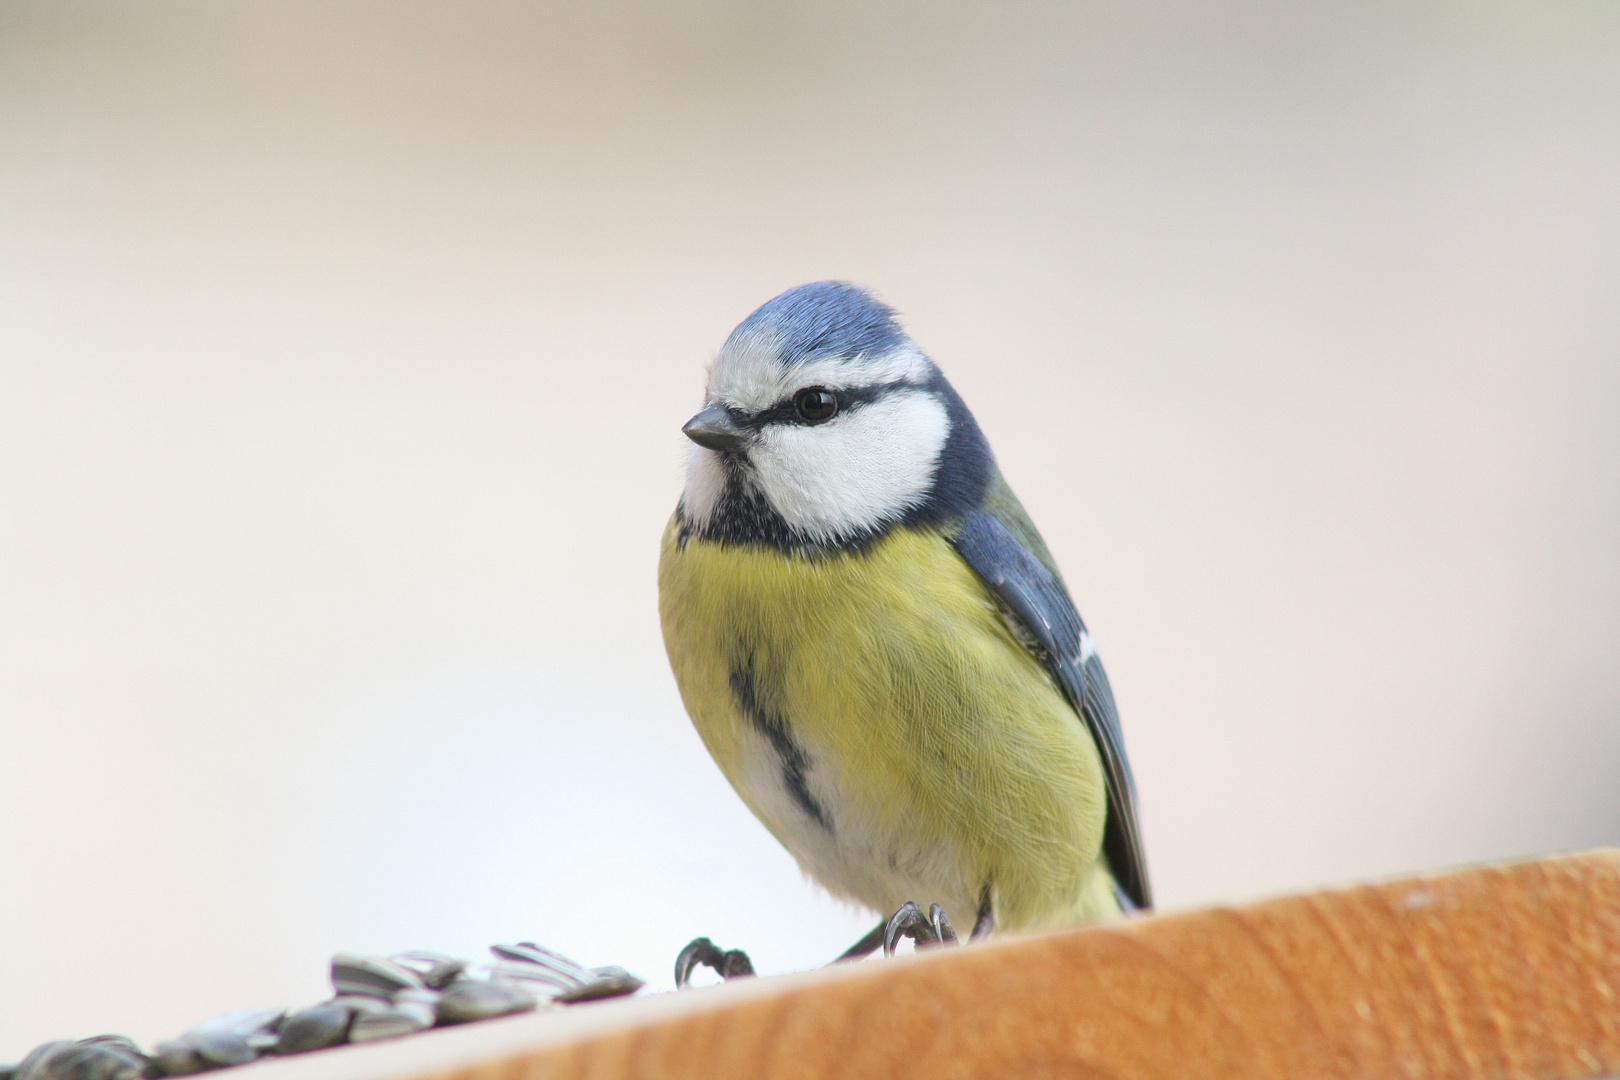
714,429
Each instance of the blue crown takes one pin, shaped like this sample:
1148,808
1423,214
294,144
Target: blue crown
823,320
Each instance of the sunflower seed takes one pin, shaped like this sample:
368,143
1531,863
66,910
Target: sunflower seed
223,1047
426,998
247,1021
314,1028
401,1019
444,973
359,1004
33,1067
234,1038
476,999
437,970
611,981
64,1060
176,1058
357,973
121,1043
528,954
538,981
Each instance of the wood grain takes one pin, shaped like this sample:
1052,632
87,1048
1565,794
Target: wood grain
1497,971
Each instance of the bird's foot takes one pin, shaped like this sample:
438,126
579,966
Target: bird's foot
931,929
728,963
909,922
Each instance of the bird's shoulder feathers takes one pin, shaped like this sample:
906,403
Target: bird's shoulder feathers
1003,547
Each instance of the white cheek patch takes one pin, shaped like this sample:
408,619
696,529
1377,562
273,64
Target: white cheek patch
705,483
854,472
749,375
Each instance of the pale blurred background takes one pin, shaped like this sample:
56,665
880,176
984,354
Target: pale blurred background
345,349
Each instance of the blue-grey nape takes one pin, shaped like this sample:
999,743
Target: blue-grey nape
823,319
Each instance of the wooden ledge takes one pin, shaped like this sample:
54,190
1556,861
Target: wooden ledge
1497,971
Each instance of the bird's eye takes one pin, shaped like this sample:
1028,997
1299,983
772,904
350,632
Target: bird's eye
815,404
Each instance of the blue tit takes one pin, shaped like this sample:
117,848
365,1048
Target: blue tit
876,646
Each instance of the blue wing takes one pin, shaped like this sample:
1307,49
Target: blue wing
1037,603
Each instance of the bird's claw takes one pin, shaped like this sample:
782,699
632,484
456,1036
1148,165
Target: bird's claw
728,963
931,929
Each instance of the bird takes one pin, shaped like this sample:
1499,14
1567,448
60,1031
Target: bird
876,646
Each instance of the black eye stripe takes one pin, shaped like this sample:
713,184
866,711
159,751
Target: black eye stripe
849,398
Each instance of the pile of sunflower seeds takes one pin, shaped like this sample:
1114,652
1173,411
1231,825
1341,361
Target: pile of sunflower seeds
376,997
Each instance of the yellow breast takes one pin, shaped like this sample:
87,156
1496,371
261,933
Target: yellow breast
876,713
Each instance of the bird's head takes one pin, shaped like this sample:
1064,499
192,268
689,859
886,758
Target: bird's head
823,425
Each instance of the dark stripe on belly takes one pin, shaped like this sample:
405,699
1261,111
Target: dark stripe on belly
774,726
